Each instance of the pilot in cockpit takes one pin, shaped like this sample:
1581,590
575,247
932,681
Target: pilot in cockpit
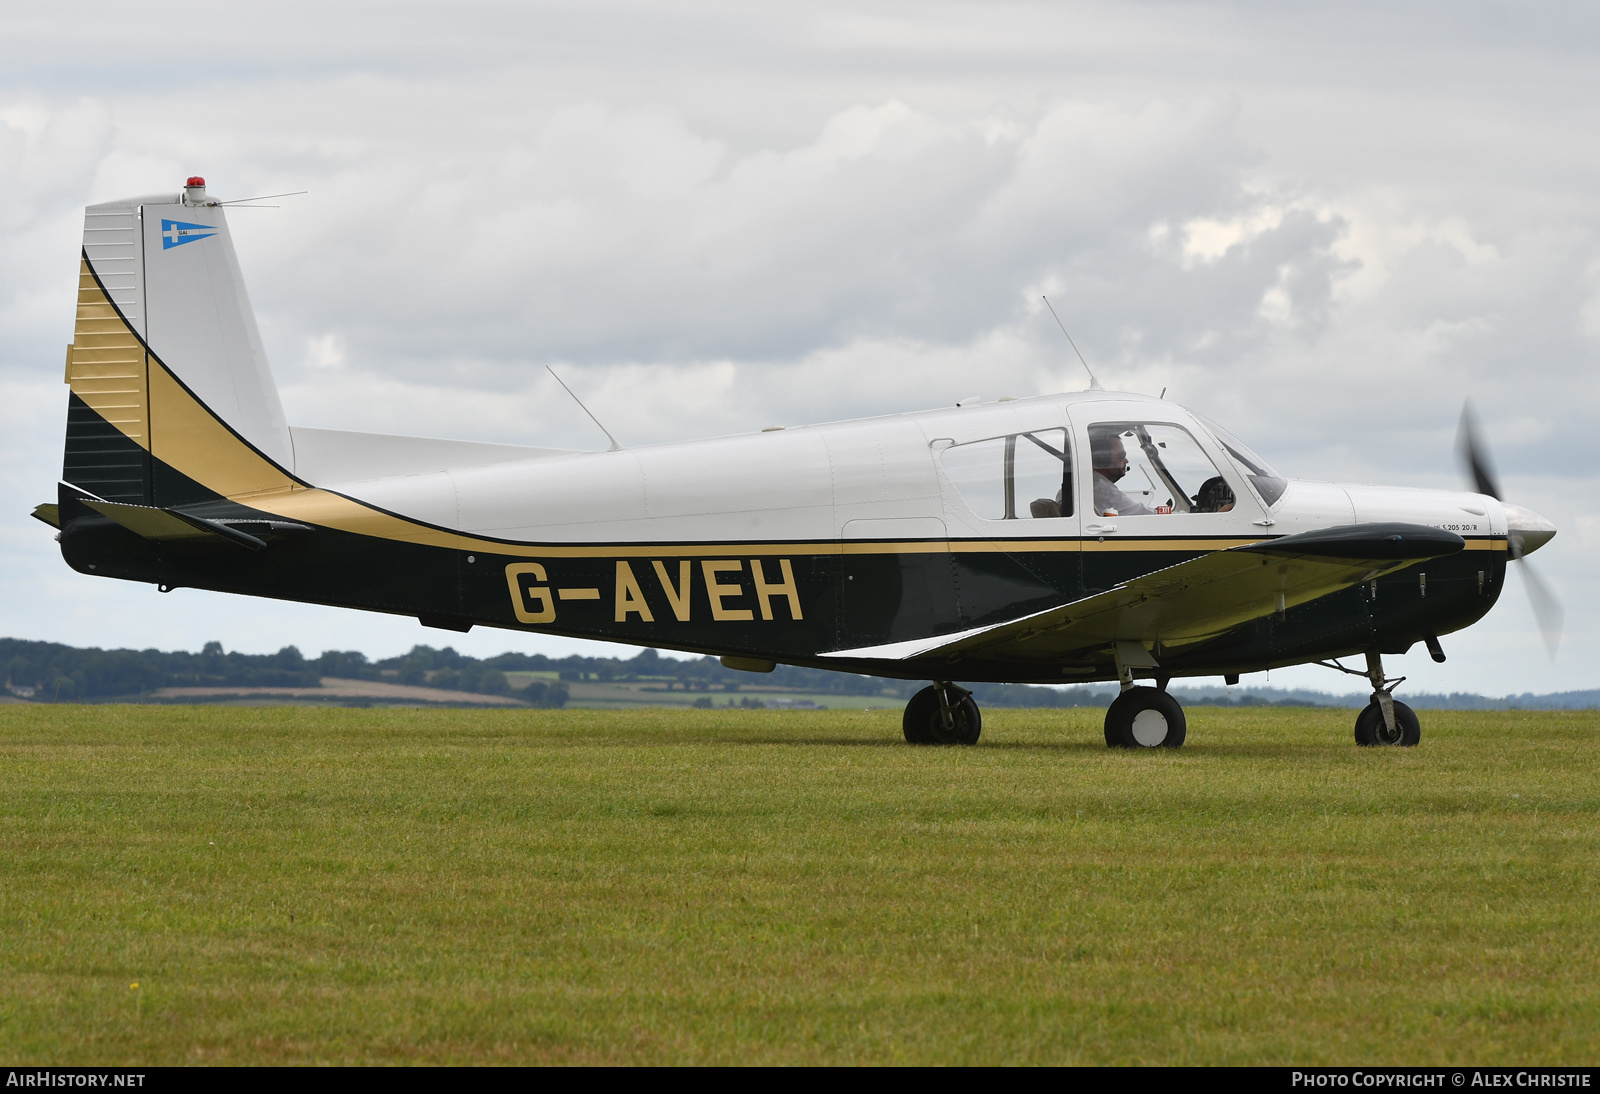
1110,464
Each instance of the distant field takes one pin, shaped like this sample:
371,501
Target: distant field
659,692
582,694
335,690
291,885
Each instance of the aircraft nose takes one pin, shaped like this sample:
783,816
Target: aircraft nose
1527,528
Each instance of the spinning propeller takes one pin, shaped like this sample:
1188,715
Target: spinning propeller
1526,531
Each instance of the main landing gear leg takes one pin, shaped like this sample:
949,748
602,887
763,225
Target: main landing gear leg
1144,717
943,714
1385,720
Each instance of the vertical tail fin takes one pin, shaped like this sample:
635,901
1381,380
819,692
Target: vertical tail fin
161,299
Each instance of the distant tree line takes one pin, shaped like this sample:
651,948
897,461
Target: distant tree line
48,671
52,671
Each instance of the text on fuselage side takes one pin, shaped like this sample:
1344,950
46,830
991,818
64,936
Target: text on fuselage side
533,599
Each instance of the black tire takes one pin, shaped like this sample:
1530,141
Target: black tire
915,722
1145,718
1371,732
924,725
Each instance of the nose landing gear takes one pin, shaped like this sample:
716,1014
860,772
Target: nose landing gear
943,714
1386,720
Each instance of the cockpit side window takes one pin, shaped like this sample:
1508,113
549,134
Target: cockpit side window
1018,477
1153,468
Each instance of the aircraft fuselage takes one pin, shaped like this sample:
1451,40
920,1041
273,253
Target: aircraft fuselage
832,537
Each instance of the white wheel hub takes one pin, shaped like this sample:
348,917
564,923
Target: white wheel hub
1149,728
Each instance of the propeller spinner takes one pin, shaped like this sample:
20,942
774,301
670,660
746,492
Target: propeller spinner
1526,531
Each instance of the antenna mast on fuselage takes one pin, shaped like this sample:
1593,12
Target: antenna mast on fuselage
615,447
1094,385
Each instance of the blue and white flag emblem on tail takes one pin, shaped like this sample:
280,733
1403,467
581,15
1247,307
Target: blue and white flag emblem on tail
175,233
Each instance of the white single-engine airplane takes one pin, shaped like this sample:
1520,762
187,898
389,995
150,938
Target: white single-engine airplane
1088,536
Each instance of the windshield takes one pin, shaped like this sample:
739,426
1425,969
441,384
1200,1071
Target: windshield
1268,483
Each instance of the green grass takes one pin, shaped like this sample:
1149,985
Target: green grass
293,885
658,692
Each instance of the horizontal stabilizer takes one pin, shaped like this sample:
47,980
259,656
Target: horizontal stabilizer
172,524
49,512
1193,601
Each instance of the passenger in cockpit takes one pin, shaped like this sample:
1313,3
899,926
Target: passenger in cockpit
1110,461
1215,496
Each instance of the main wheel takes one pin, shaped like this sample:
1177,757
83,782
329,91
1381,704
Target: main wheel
1145,718
1372,730
923,723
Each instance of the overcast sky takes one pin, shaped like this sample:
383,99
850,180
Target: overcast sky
1325,226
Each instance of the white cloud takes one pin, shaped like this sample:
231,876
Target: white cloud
1205,240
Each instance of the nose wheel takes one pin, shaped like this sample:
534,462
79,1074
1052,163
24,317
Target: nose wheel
1372,729
943,714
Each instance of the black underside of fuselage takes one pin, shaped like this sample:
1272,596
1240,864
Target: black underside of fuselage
850,596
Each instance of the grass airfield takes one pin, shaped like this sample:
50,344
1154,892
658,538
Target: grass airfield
297,885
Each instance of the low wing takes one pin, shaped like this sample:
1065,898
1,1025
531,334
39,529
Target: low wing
1193,601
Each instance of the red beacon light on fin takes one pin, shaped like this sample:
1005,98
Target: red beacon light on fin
195,180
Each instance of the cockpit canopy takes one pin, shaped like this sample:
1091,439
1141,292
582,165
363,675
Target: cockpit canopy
1138,457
